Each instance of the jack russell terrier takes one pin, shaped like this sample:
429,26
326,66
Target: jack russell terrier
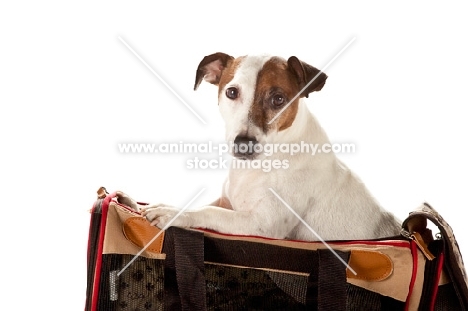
254,94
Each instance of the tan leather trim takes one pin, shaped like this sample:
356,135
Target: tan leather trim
415,298
139,231
263,269
369,265
396,285
421,243
115,241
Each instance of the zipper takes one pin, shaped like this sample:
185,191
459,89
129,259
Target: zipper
418,240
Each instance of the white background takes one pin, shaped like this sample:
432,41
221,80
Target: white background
70,91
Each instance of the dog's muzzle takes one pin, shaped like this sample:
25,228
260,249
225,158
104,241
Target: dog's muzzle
244,147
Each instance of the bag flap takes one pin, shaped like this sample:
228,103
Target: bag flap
417,222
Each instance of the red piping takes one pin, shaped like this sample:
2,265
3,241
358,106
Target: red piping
435,288
402,243
414,252
102,231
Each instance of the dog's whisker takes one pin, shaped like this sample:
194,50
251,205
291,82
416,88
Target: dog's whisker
312,230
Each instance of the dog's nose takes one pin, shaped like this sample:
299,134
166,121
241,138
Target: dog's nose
244,146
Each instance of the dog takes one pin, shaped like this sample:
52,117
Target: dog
262,101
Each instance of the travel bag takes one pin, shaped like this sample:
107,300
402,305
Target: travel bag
135,266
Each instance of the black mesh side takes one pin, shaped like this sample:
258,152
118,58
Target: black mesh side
231,288
447,299
278,283
139,287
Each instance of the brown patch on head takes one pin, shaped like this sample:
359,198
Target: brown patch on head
310,79
278,83
228,73
276,86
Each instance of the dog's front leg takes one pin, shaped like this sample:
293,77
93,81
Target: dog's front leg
161,215
250,222
125,199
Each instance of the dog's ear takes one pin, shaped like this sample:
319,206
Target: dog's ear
211,67
306,73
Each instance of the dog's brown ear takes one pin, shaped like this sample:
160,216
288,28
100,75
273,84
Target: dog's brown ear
305,73
211,67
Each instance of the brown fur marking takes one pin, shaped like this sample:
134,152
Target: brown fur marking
274,78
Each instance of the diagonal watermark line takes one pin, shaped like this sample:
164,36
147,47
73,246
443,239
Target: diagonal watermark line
312,230
162,80
313,79
160,232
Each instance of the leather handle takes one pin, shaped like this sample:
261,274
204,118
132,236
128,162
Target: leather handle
102,193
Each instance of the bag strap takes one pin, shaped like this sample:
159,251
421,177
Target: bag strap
331,281
417,222
184,280
186,251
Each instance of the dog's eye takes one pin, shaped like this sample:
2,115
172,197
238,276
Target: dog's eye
277,100
232,93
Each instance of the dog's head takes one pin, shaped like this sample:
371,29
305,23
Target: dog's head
258,96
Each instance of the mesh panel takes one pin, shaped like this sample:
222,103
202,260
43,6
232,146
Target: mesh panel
140,287
230,288
447,299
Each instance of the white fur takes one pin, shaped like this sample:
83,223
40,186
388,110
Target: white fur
235,112
321,189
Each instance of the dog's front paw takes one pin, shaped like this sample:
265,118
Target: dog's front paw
162,216
125,199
